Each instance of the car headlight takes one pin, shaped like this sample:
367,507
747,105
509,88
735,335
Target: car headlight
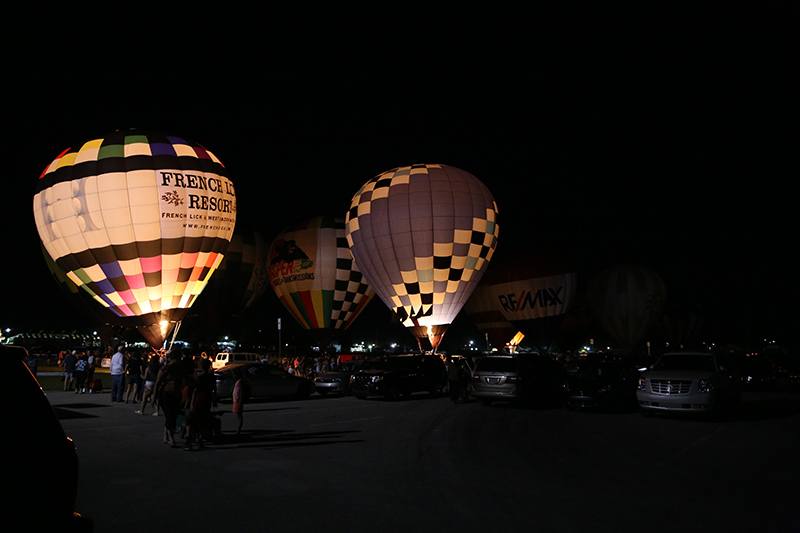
642,383
704,386
376,379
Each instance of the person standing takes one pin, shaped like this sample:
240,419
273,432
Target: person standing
134,369
239,397
149,395
202,400
80,373
117,371
90,362
169,389
70,361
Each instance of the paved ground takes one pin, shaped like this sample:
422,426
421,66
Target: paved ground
341,464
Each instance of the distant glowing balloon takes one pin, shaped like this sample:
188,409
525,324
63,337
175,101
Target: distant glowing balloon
627,299
313,273
140,221
423,235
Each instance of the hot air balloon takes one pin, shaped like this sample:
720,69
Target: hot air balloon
140,221
627,299
423,235
534,291
313,274
483,311
240,280
680,322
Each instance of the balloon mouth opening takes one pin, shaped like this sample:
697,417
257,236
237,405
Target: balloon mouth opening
429,337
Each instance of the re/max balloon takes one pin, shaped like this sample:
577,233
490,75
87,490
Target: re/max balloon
423,235
140,221
312,272
534,290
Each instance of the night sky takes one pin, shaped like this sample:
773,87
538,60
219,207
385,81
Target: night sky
652,135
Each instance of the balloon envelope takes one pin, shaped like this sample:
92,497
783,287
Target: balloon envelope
140,221
239,281
534,290
423,235
313,273
627,299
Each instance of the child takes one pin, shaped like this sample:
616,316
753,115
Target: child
239,396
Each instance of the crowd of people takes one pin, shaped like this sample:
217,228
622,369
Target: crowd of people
174,383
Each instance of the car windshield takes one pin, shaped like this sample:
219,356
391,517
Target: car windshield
497,364
694,362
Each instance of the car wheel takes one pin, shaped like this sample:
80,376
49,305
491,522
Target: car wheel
392,393
436,391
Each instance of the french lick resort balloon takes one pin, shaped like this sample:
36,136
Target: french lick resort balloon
140,221
423,236
312,272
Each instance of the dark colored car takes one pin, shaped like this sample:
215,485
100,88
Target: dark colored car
264,380
337,381
400,375
524,378
758,372
47,459
600,383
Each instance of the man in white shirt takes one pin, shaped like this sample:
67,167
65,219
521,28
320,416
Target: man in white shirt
117,370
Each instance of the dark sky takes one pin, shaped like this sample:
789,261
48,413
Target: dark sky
658,135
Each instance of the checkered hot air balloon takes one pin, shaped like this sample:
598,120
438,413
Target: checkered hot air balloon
313,274
423,235
139,220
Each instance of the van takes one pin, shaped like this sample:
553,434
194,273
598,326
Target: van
225,358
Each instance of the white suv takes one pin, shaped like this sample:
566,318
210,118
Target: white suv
225,358
688,382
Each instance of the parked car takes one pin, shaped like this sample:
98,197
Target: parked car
338,381
229,358
523,378
698,382
264,380
400,375
600,383
47,459
758,372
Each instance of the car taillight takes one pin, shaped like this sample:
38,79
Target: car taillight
512,379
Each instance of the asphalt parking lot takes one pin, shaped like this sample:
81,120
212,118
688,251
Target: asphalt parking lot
342,464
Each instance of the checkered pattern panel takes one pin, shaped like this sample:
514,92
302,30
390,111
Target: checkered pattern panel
319,282
139,220
423,235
